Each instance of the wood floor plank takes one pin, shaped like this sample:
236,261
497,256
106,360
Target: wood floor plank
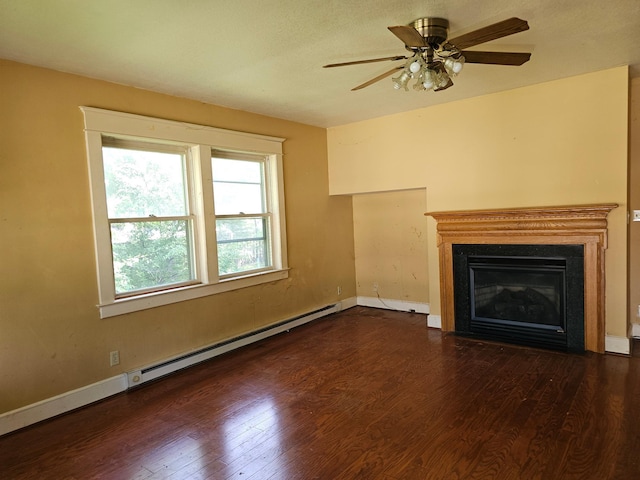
363,393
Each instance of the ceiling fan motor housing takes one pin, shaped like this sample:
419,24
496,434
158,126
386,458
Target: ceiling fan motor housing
434,30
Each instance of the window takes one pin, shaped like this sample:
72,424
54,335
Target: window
243,221
191,212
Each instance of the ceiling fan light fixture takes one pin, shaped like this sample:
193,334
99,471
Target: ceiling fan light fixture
454,65
432,67
430,74
415,66
442,78
428,79
443,81
420,80
401,81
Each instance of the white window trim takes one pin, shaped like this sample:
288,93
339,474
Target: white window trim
200,139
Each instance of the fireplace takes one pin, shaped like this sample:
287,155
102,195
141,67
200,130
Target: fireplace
524,233
525,294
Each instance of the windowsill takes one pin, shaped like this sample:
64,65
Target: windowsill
158,299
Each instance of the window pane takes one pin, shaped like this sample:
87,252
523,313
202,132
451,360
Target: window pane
229,170
236,198
151,254
242,245
143,183
238,186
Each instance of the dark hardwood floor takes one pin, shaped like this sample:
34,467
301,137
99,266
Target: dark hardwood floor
362,394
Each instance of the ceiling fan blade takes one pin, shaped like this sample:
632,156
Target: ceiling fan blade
492,32
409,35
359,62
496,58
377,79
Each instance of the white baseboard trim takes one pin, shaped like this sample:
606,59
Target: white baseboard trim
65,402
620,345
434,321
392,304
349,303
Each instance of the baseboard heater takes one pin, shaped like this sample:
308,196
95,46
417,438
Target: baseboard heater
152,372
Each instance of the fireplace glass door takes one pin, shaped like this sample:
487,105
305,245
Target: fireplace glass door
530,291
526,294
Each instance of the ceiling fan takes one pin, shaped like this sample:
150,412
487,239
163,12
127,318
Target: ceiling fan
436,58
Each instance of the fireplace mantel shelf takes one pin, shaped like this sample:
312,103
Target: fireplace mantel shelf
570,225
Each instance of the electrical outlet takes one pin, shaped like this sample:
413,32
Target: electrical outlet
114,358
339,290
636,215
375,288
638,314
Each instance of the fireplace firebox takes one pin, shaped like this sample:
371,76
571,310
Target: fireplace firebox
524,294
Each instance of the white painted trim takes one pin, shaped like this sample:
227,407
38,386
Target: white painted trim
392,304
349,303
620,345
139,126
51,407
635,330
434,321
65,402
157,299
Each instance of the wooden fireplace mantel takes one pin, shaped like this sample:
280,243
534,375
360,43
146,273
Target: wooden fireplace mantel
568,225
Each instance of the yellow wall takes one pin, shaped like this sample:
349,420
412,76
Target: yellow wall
51,337
558,143
390,236
634,200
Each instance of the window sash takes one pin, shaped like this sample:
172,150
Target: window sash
188,274
142,270
264,184
265,214
125,144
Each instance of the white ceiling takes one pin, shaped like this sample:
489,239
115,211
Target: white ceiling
265,56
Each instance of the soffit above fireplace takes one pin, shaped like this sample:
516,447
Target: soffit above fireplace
561,225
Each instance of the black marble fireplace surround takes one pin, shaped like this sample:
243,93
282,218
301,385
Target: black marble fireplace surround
524,294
